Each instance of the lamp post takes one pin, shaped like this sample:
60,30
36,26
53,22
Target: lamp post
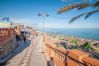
43,17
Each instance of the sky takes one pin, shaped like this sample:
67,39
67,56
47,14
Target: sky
26,11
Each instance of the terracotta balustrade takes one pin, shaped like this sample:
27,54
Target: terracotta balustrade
64,57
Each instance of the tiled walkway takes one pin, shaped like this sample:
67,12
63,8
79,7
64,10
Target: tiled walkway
38,58
30,56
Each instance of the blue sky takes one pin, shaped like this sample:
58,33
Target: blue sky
26,11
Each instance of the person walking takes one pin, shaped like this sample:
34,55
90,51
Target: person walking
51,62
24,38
17,38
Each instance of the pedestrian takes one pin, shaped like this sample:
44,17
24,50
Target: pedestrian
17,38
48,63
51,62
24,38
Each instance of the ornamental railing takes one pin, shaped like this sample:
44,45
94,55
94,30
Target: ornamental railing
64,57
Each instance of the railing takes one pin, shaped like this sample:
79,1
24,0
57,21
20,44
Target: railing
5,56
69,57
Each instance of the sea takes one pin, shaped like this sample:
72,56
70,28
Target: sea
83,33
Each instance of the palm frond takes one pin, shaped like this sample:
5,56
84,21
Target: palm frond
90,13
67,8
75,18
96,4
84,5
79,6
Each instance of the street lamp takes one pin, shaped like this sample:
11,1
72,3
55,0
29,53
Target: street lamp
43,15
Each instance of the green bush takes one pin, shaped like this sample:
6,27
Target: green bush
87,45
74,41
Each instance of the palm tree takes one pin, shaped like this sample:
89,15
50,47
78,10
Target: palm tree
80,6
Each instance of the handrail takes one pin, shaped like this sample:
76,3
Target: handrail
91,61
66,55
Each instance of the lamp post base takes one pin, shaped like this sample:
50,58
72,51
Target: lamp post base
42,52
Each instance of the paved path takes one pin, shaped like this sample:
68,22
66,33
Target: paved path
29,55
38,58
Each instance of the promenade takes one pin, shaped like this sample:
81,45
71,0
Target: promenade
29,54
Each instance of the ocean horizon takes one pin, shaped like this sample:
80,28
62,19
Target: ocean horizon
83,33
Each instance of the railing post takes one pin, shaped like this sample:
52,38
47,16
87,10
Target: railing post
65,60
66,57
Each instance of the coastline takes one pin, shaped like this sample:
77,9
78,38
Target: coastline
94,44
91,34
76,37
